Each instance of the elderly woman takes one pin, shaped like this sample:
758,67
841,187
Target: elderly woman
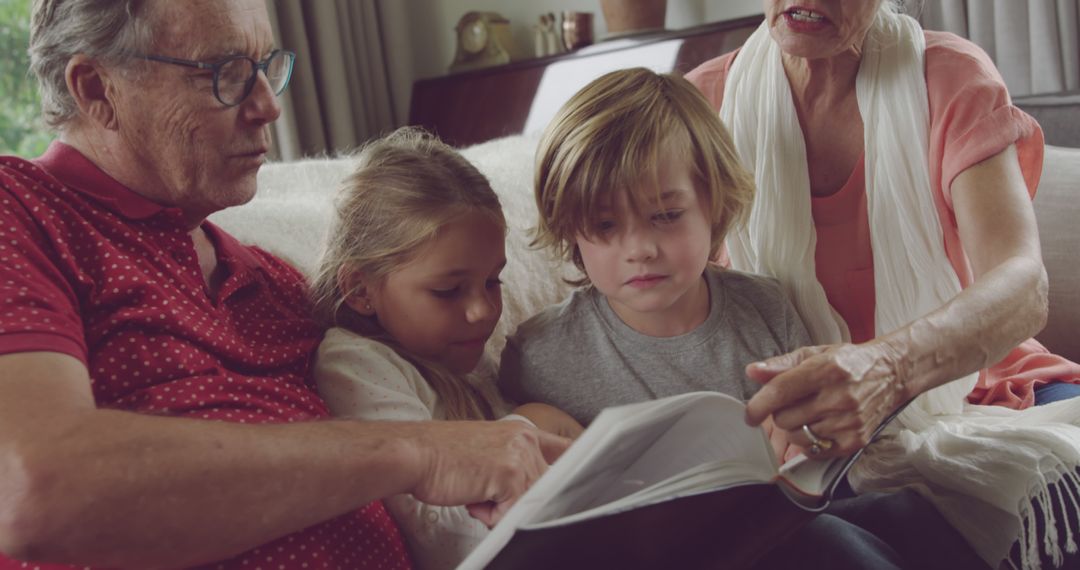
894,182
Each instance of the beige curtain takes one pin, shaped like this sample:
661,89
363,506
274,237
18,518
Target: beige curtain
339,96
1033,42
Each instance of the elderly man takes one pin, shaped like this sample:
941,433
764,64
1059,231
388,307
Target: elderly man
155,402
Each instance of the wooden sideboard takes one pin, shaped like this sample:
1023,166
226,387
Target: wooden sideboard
475,106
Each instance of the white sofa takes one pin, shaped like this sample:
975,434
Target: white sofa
293,208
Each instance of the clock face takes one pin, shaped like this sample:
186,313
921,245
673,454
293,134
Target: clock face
473,36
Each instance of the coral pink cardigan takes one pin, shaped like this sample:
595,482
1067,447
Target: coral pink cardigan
971,119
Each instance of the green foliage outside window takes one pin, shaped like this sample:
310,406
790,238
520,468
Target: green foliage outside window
21,131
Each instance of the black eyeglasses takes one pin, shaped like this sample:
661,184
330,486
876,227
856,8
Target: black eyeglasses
235,76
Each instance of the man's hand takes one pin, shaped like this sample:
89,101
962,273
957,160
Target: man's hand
486,465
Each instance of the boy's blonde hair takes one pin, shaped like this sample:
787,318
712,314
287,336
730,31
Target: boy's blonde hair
406,187
609,137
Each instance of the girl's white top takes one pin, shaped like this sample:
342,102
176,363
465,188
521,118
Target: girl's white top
365,379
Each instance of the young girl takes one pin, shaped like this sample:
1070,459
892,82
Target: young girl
637,183
410,283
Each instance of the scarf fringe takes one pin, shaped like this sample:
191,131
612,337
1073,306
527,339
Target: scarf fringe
1060,490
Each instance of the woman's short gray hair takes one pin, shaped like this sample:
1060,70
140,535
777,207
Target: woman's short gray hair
110,31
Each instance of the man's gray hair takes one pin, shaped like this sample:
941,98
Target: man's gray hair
110,31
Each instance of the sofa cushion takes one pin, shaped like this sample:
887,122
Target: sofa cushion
1057,208
533,279
289,215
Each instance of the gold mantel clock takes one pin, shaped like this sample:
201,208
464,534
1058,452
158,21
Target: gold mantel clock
483,40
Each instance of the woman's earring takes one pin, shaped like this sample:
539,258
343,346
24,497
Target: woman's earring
367,306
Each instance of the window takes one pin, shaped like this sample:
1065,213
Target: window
21,131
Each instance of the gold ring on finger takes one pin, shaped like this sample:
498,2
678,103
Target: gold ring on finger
817,444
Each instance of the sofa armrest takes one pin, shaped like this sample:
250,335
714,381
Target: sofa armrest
1057,209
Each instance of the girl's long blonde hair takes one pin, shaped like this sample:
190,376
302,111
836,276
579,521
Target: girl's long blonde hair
406,186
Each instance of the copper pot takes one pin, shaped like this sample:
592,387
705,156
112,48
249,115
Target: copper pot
628,16
577,30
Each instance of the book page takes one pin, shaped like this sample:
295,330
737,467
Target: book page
596,478
609,454
655,444
713,434
811,480
704,478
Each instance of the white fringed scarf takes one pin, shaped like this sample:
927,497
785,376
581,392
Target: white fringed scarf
982,466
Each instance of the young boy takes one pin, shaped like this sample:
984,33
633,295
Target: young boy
637,183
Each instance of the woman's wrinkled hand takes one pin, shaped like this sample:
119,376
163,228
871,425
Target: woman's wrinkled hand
841,392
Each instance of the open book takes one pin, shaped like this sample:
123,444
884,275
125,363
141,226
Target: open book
676,482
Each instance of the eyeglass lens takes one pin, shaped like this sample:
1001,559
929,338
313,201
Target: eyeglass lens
236,77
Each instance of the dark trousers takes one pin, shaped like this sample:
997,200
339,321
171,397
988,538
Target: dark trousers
877,531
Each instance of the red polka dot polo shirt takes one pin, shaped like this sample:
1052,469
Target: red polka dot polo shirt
91,269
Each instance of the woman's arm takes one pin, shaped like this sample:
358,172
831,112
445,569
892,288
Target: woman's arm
843,392
1007,302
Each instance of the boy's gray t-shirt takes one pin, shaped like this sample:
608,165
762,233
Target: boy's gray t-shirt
580,357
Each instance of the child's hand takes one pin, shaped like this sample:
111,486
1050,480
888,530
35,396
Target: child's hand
783,449
550,419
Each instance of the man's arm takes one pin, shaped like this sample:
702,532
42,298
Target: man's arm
100,487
